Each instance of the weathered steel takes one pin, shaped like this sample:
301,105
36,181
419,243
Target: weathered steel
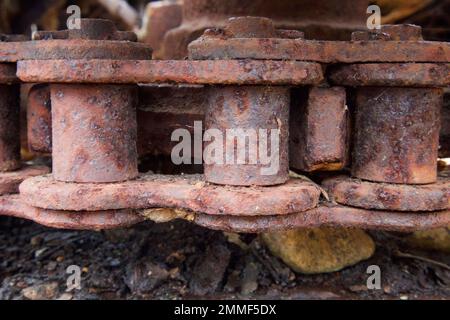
96,39
94,133
258,115
396,32
329,216
396,135
161,111
73,49
332,216
319,130
392,74
8,73
179,192
39,119
187,72
90,29
10,181
9,128
392,197
101,220
208,47
164,109
444,151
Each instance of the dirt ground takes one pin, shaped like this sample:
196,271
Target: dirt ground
182,261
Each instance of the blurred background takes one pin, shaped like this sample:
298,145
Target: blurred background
152,20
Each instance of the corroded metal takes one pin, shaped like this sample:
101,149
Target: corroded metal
213,47
396,134
319,130
392,74
10,181
9,128
102,220
248,118
94,133
39,119
249,72
179,192
392,197
96,39
331,216
444,151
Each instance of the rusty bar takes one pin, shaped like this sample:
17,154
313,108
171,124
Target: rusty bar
444,151
39,119
94,133
9,127
185,192
319,130
396,134
263,114
185,72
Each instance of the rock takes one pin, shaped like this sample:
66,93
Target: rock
436,239
45,291
144,276
320,250
209,270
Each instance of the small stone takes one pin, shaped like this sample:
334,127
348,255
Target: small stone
45,291
404,297
60,259
320,250
436,239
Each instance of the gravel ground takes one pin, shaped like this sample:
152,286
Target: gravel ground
181,261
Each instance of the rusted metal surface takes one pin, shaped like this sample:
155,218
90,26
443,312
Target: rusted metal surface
73,49
39,119
8,73
94,133
164,109
391,74
96,39
396,134
398,32
444,151
10,181
212,47
319,130
161,110
179,192
101,220
331,216
188,72
333,19
90,29
392,197
262,114
9,128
